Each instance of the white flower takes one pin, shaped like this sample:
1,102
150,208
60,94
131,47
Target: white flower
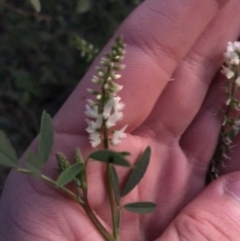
94,125
227,141
117,135
91,102
231,58
107,109
238,81
116,76
113,119
228,101
233,47
227,72
95,139
117,105
99,97
237,46
113,105
225,156
230,47
117,87
96,80
91,111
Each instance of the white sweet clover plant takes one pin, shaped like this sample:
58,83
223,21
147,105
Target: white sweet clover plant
231,115
103,112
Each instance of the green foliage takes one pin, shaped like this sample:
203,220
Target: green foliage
36,4
140,207
8,156
45,138
83,6
69,174
111,157
33,163
86,49
138,171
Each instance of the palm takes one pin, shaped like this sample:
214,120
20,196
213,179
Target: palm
176,119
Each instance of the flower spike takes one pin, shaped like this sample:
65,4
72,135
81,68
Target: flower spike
106,110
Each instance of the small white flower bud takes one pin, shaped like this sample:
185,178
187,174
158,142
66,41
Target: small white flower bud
99,97
101,73
116,76
228,101
91,102
238,81
96,80
104,61
227,72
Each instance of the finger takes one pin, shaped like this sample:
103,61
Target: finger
200,139
213,215
183,97
158,35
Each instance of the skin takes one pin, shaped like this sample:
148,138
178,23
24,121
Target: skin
179,39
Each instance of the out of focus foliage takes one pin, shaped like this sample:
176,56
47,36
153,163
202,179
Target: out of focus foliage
44,54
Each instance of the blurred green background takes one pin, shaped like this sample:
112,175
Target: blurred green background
44,54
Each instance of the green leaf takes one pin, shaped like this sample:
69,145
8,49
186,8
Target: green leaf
32,163
114,179
8,156
108,156
124,153
45,138
140,207
83,6
138,172
36,4
69,174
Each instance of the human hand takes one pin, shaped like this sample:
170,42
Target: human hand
183,40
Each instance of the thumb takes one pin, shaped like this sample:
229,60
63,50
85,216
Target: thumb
213,215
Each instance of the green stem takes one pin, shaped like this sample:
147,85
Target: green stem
50,181
108,165
217,159
119,209
89,211
111,199
110,186
96,222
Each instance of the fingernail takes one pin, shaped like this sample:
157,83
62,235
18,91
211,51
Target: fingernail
232,187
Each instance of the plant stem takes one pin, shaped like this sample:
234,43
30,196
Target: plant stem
110,186
118,219
217,158
90,213
111,199
96,222
108,165
50,181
